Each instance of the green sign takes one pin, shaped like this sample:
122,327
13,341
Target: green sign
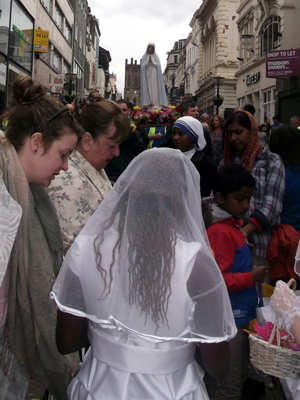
21,34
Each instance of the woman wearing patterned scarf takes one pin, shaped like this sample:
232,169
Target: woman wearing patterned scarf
39,137
242,146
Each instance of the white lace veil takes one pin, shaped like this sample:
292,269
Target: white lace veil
143,259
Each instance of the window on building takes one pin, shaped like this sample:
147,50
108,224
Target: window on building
80,40
47,4
68,32
175,59
76,31
46,56
58,17
270,34
84,46
56,59
67,68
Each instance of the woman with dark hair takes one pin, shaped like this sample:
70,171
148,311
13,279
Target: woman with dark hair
216,134
285,141
141,285
242,146
39,137
77,193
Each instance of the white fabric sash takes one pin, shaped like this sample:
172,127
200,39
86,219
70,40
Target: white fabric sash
139,360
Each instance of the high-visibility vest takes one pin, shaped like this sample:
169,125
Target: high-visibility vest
153,131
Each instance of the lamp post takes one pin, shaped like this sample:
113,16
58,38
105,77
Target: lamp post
70,77
218,100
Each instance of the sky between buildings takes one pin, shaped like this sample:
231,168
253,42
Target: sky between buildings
128,26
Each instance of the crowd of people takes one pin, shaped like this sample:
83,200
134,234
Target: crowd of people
147,258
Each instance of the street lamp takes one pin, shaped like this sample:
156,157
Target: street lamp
218,100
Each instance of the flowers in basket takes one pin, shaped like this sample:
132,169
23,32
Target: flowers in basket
150,115
286,340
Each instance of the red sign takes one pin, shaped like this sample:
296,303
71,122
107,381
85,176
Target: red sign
282,63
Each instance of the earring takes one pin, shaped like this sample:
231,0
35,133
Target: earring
35,150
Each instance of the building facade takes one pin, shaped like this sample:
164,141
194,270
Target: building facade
92,52
217,63
132,90
81,11
267,25
176,58
103,73
50,66
191,58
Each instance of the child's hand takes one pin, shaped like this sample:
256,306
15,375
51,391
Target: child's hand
259,273
252,248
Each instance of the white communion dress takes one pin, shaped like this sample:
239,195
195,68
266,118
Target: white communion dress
132,354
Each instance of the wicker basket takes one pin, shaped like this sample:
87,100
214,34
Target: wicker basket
273,359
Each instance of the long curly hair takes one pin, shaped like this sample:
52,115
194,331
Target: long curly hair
151,263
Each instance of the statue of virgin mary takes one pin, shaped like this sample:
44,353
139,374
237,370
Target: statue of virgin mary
152,85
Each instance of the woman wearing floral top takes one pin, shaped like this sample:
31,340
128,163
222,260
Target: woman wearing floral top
77,193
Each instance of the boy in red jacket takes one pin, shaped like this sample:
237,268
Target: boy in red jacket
233,188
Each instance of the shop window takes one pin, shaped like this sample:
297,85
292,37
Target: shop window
268,104
270,35
4,28
20,46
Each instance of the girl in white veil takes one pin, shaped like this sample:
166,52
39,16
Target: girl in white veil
141,285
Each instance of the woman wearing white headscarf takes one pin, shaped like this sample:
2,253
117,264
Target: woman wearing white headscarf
188,136
152,85
141,283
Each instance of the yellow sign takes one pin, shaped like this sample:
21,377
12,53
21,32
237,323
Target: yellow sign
41,40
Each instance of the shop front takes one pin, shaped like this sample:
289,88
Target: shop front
253,87
16,47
